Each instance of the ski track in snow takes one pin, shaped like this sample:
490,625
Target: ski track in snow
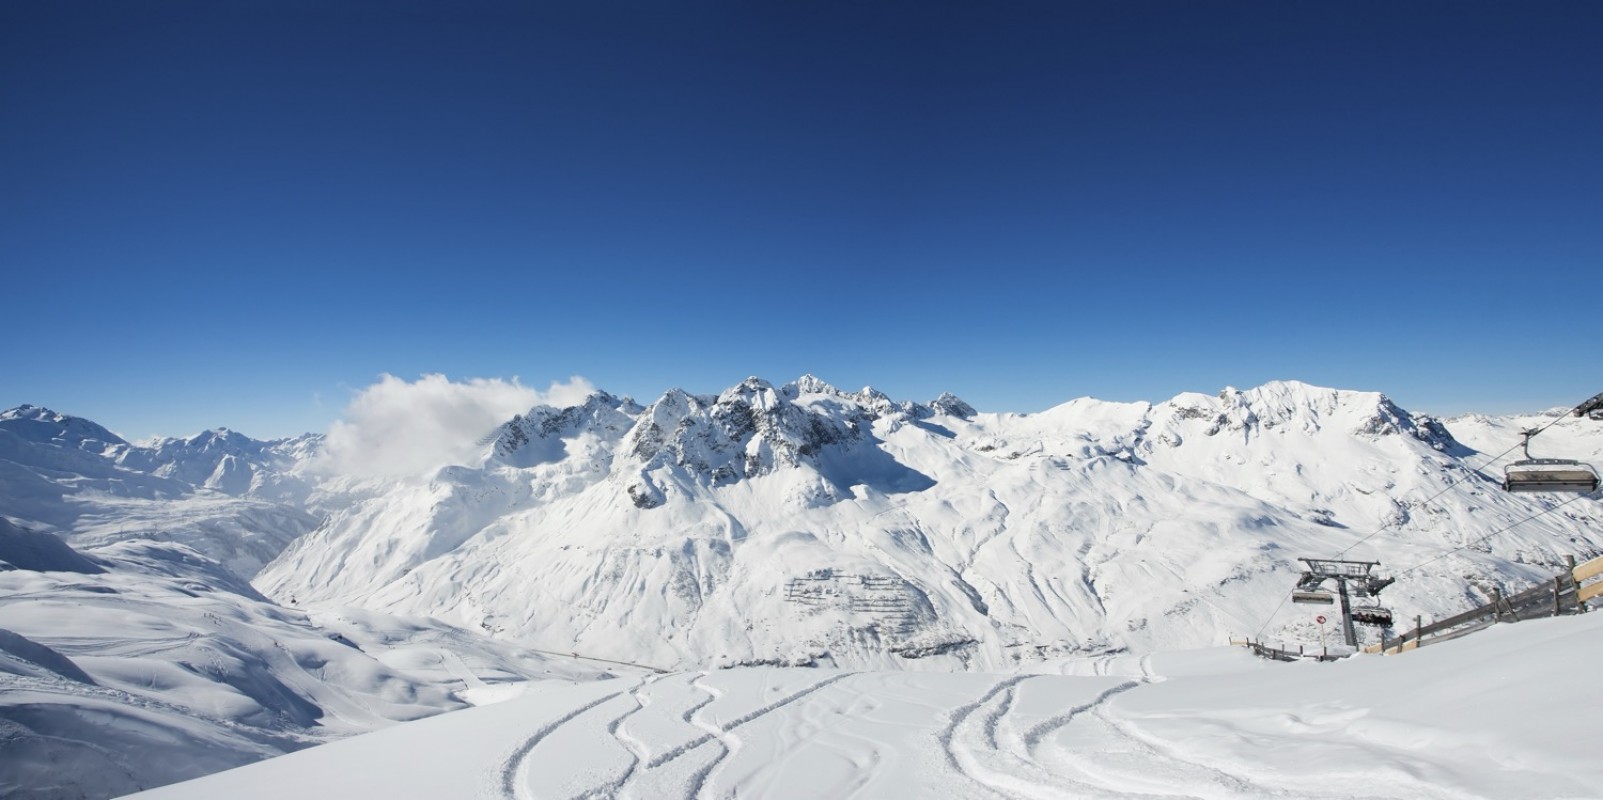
518,769
865,753
513,785
995,752
984,743
731,744
634,747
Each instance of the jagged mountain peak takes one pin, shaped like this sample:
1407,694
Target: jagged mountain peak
540,436
809,384
953,406
752,429
753,391
215,439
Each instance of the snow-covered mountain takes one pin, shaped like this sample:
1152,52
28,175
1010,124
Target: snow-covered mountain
235,499
802,524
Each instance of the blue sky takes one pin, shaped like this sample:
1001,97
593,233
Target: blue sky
238,214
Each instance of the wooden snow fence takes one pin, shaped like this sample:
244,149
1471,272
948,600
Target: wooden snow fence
1567,593
1584,573
1284,653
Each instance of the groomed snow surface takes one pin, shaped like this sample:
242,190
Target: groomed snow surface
1502,714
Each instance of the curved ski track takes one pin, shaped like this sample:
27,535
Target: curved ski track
513,772
1107,758
984,745
993,746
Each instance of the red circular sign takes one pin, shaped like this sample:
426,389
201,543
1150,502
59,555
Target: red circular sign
1320,619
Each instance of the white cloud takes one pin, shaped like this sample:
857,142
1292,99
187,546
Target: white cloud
395,427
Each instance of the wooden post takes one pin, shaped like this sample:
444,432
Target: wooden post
1580,607
1419,625
1497,605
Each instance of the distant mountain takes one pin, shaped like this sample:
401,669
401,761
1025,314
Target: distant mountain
804,524
236,499
230,462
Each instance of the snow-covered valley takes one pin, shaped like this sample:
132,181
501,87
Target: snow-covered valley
182,606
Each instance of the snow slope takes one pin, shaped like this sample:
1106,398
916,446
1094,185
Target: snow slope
143,663
1488,716
802,524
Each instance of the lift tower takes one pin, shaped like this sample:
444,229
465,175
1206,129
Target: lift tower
1364,585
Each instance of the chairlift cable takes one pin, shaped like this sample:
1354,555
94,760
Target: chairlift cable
1474,471
1441,556
1272,614
1578,411
1494,533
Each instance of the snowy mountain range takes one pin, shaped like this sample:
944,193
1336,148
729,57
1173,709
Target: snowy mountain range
802,524
232,498
234,598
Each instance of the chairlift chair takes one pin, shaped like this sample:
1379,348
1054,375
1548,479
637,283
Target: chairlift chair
1548,474
1323,598
1372,615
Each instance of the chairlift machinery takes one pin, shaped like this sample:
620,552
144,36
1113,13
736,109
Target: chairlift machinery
1554,474
1375,616
1353,579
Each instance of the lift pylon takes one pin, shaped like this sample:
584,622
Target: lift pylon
1353,578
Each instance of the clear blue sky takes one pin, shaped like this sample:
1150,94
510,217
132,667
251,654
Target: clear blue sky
235,213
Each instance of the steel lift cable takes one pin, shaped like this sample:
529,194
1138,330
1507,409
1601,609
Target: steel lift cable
1579,410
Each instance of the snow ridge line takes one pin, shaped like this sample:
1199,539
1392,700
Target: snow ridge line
514,762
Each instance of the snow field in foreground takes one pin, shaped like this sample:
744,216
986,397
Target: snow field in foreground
1502,714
